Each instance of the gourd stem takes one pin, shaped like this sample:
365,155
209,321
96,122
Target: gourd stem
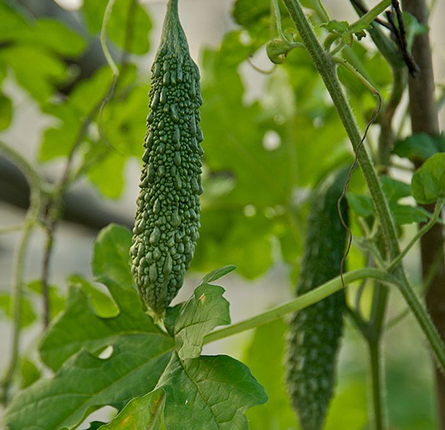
300,302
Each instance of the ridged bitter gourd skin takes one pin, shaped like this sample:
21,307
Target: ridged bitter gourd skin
168,206
314,333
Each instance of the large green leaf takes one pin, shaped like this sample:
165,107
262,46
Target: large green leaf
205,310
103,305
87,382
111,258
214,393
79,326
206,393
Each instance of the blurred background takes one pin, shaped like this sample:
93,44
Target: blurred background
251,232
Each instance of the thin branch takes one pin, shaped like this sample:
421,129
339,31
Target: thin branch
259,70
103,38
12,228
420,233
398,30
301,302
277,13
386,137
428,281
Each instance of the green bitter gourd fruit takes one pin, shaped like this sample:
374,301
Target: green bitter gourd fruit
168,206
314,332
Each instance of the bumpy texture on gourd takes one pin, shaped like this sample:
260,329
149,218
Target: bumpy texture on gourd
167,217
315,332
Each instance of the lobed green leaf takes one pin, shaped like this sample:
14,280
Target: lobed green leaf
205,310
214,393
86,383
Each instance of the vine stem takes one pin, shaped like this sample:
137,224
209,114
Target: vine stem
277,12
381,292
326,68
420,233
380,420
32,215
301,302
12,228
103,38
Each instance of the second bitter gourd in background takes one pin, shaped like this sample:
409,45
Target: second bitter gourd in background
314,333
168,206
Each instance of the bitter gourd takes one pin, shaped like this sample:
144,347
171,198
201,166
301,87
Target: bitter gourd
314,332
168,206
